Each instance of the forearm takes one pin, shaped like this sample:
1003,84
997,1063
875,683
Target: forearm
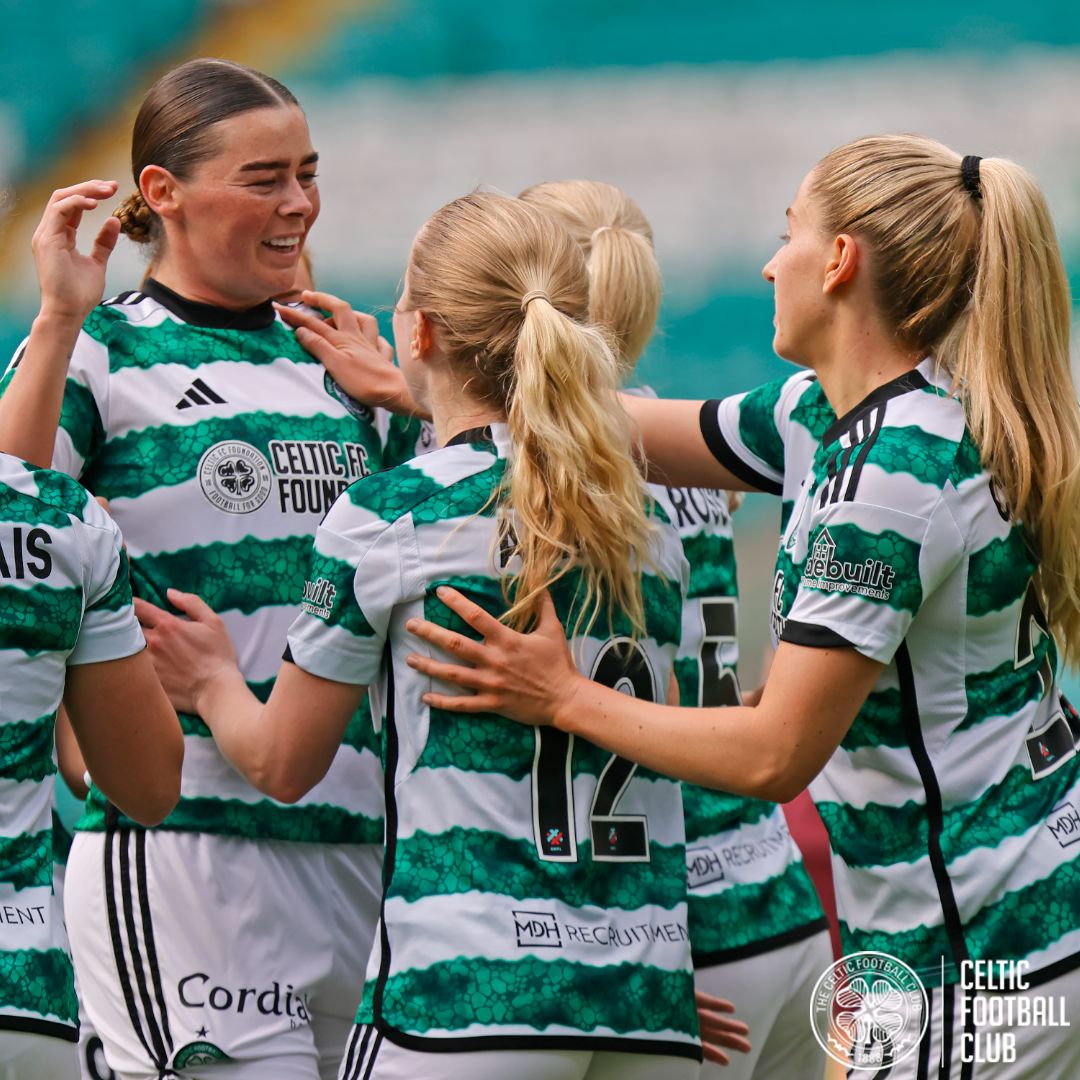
30,407
675,450
237,719
735,749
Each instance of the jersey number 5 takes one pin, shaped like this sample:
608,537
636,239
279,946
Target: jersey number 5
623,665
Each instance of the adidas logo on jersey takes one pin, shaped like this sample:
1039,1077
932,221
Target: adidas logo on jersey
198,393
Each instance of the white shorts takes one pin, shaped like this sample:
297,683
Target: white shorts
25,1056
771,992
371,1056
983,1042
199,954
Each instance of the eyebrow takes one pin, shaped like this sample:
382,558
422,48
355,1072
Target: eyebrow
266,166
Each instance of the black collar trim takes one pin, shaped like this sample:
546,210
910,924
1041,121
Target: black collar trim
472,435
214,318
902,384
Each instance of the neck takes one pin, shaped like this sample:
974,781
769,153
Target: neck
453,410
856,361
172,273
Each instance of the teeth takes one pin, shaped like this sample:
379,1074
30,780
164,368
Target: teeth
284,241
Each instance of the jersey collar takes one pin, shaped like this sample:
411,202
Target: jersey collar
914,379
194,313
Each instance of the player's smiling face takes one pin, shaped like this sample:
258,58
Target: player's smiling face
242,216
796,273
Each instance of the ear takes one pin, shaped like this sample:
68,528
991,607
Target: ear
842,264
160,190
422,340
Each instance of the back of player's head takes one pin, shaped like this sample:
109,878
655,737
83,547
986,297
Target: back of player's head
506,286
174,127
624,278
966,267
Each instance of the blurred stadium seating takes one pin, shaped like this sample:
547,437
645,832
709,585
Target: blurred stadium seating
708,113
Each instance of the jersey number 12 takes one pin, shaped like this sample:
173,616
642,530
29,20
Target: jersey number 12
623,665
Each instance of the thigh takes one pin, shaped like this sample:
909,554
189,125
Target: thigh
189,949
609,1065
771,992
1027,1035
371,1056
349,904
24,1056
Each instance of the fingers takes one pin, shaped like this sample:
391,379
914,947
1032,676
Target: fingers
194,607
473,614
96,189
455,674
369,327
106,240
462,703
149,615
341,311
714,1054
714,1004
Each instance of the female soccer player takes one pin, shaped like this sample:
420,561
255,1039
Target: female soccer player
212,433
756,926
534,916
68,631
929,563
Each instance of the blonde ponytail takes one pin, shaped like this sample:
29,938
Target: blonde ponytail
507,288
625,286
1010,355
966,267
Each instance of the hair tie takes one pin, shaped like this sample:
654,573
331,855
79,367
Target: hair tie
529,297
969,174
597,232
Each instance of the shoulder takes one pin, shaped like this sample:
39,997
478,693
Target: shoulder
901,451
54,496
451,482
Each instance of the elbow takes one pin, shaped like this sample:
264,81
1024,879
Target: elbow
160,791
783,777
280,781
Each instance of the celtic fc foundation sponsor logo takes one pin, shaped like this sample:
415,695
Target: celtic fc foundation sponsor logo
869,1011
822,570
235,477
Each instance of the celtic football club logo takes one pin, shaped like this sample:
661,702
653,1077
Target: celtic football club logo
235,477
869,1011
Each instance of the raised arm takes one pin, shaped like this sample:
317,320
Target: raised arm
769,751
283,748
675,449
71,286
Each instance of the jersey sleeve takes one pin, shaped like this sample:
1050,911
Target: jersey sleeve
747,432
869,568
356,578
109,629
85,407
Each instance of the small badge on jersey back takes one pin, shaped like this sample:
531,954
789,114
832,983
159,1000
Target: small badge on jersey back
199,1053
235,477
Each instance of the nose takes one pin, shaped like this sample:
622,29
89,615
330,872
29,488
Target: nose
768,271
297,200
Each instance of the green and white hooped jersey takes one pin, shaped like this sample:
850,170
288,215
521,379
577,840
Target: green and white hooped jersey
748,889
220,444
535,885
65,598
952,801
